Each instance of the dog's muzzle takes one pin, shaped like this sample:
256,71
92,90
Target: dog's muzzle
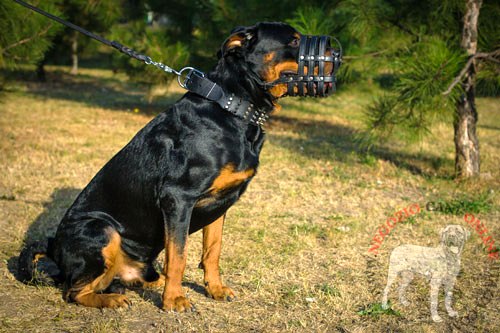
318,63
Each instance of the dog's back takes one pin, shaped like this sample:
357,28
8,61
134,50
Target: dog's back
418,259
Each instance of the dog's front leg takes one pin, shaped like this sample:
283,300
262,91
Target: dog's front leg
212,240
435,285
448,292
176,214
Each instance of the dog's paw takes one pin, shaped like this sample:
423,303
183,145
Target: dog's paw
178,304
452,313
159,283
436,318
220,293
114,301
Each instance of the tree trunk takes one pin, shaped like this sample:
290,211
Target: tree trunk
74,53
40,70
466,142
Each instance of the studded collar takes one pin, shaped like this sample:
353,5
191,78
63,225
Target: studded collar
198,83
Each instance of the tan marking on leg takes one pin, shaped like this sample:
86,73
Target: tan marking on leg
116,263
175,264
37,257
212,243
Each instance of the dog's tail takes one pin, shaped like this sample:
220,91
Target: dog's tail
35,265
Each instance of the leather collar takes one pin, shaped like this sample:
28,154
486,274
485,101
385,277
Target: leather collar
199,84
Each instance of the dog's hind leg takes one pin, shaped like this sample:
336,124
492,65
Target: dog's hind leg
89,252
89,294
391,276
406,277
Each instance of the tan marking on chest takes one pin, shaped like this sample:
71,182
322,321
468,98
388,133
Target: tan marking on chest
229,177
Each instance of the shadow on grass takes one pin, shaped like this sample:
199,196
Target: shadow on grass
335,142
319,140
45,225
109,92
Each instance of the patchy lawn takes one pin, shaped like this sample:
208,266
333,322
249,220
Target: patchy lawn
295,246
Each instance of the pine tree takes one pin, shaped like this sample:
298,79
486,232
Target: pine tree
96,16
22,43
434,57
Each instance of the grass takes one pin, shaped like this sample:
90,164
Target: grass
295,246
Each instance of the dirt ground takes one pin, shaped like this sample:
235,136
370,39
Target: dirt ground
295,247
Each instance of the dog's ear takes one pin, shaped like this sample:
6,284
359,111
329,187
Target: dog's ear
241,38
442,233
466,233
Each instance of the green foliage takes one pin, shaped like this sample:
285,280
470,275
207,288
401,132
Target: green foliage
97,16
328,290
477,204
488,26
312,21
416,100
488,80
25,36
375,310
152,42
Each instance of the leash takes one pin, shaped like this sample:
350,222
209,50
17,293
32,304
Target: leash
122,48
195,80
311,56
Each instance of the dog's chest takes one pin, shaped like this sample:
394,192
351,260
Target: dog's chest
225,190
227,186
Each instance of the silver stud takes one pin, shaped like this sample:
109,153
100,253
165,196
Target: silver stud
302,57
312,57
230,98
227,107
311,78
321,78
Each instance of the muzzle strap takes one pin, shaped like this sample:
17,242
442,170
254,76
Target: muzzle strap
314,77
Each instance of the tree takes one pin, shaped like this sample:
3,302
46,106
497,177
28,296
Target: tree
435,49
153,42
466,141
96,16
21,42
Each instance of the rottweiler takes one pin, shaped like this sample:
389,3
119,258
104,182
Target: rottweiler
179,174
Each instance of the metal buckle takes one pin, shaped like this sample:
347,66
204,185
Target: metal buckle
188,75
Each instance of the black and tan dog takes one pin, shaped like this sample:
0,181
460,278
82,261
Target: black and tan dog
179,174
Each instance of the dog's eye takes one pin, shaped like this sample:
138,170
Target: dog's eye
295,42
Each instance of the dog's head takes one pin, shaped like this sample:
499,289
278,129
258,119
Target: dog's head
282,61
453,238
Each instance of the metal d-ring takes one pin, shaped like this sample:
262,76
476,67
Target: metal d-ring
188,76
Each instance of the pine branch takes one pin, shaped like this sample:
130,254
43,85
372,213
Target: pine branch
26,40
373,54
491,56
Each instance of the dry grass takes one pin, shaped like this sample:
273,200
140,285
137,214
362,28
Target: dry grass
294,247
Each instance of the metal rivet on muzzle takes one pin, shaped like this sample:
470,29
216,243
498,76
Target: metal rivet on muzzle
315,59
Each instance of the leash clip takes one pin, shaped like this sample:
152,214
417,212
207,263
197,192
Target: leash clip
183,83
